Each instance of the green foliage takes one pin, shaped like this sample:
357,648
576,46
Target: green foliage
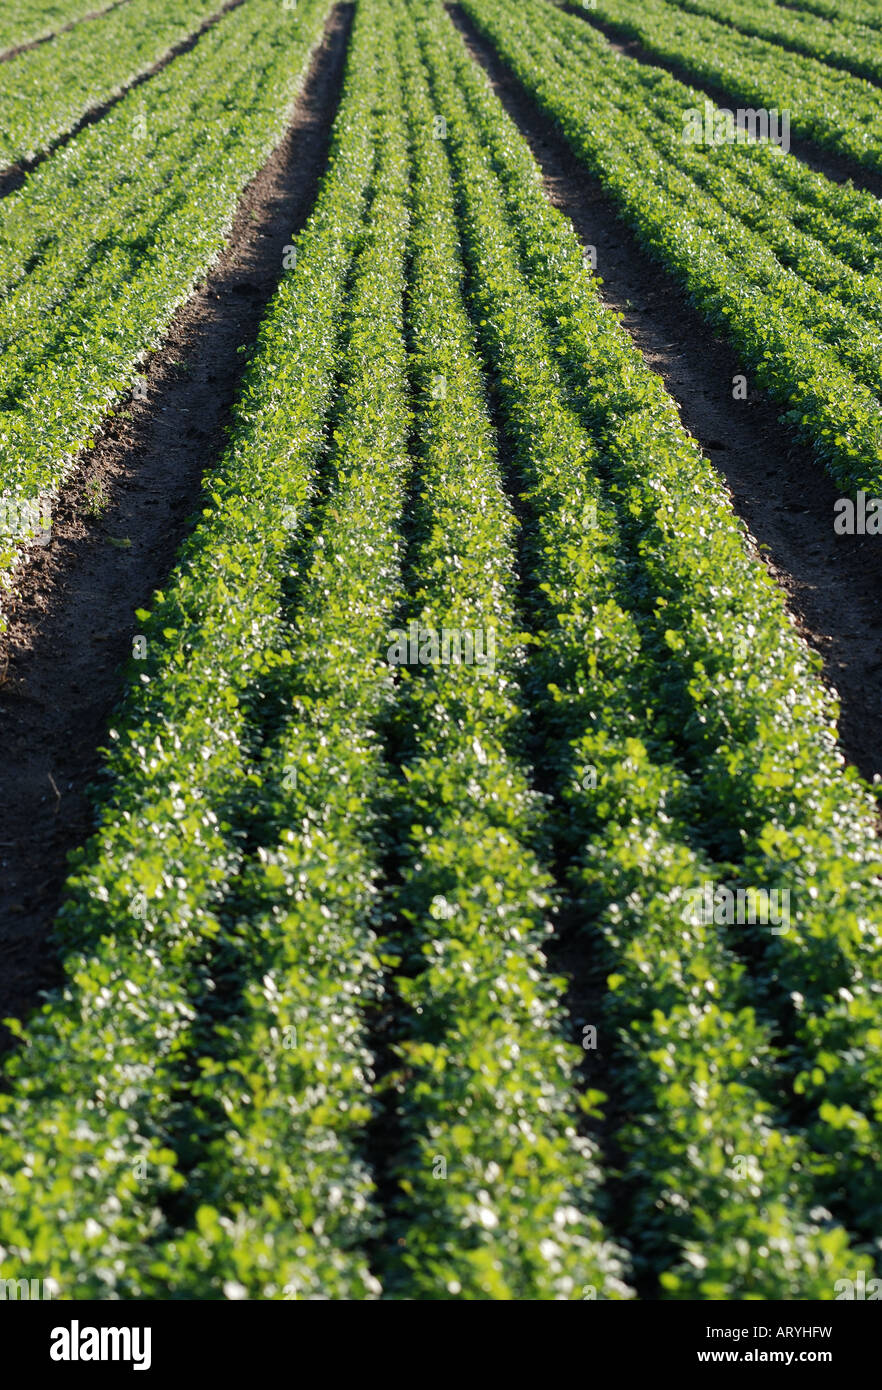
23,21
45,91
286,1194
851,45
785,329
101,245
109,1117
859,11
499,1191
654,622
301,852
836,110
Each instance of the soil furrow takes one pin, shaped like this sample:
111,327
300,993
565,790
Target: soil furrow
115,529
14,175
833,583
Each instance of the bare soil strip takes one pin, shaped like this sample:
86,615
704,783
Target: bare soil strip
836,167
14,175
72,616
833,583
62,29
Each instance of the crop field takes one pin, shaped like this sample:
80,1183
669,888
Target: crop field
440,651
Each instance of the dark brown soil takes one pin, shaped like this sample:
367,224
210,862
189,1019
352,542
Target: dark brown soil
839,168
833,583
62,29
14,175
72,612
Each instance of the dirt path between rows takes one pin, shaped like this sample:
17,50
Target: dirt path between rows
9,53
833,583
12,176
836,167
72,614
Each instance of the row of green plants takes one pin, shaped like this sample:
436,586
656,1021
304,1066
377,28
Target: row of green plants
754,728
114,173
835,301
286,1191
658,102
773,319
866,12
497,1190
46,90
846,219
838,111
678,994
102,1119
102,244
239,1169
848,44
857,11
24,21
265,897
